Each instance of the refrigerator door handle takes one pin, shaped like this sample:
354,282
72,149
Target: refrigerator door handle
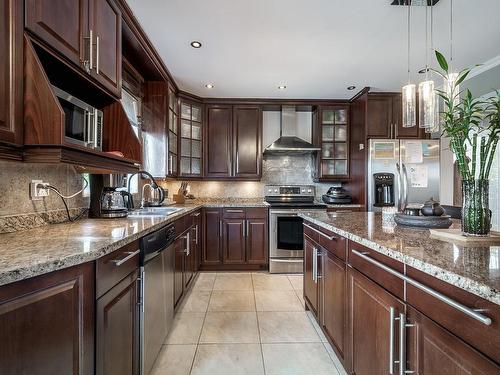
405,186
400,188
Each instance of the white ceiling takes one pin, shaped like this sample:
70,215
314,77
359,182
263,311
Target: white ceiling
315,47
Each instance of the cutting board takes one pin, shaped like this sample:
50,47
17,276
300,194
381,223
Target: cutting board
455,235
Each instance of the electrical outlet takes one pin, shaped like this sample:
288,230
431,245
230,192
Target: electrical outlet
38,192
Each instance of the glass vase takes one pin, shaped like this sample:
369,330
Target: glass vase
476,216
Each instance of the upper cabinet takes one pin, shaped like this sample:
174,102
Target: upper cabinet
85,32
233,142
191,130
333,134
173,131
385,119
218,136
11,73
247,142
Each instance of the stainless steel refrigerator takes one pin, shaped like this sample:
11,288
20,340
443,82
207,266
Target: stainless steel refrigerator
414,165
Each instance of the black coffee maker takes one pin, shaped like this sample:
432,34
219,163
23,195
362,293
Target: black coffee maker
384,189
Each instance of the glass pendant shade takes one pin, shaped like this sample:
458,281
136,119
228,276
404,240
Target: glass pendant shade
426,105
451,89
409,106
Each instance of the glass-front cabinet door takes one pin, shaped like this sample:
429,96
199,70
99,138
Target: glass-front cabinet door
173,131
191,139
334,140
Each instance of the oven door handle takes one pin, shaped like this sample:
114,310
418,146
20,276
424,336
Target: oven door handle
284,213
287,260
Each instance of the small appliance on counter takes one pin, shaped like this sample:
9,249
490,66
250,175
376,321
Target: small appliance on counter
105,200
156,198
337,195
383,189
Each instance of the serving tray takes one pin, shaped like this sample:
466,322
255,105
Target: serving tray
434,222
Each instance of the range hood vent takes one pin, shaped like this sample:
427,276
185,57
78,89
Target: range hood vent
288,142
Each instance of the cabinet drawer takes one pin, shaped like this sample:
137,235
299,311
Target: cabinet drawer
182,224
485,338
233,213
328,240
392,283
256,213
114,267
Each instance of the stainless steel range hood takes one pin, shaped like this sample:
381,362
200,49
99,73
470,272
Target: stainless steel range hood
288,142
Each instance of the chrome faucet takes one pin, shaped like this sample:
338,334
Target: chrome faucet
142,194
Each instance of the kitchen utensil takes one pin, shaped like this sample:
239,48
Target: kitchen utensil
432,208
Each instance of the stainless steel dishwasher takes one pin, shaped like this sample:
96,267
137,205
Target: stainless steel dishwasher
157,293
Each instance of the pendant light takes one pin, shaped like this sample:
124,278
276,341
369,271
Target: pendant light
426,93
449,82
409,91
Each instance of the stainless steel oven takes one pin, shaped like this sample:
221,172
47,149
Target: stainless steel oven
286,234
82,122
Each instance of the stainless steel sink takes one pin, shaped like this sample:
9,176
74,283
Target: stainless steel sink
154,211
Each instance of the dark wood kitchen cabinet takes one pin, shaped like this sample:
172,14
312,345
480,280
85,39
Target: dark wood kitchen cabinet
86,32
311,288
233,142
191,131
235,239
11,74
434,350
369,310
333,302
218,145
212,236
47,323
233,242
117,329
247,142
385,118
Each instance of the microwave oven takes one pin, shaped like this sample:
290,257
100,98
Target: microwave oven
83,123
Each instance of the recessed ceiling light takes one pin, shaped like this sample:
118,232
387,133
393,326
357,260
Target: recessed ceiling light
282,87
351,87
209,86
195,44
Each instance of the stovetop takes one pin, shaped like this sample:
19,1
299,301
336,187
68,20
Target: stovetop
291,196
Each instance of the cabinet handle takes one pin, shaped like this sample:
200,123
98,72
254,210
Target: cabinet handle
187,250
402,344
331,238
196,231
392,316
314,262
455,304
248,227
234,211
97,54
220,228
131,254
196,214
89,63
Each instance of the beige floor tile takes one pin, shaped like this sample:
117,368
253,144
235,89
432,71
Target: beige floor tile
297,281
230,327
205,281
295,359
263,281
174,360
228,359
233,281
277,300
196,301
335,359
300,296
280,327
186,328
316,326
230,300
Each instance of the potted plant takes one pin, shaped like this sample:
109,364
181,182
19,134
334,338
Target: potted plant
473,127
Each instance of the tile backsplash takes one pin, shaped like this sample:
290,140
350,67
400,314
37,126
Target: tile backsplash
15,178
276,169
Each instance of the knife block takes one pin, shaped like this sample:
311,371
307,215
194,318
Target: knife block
180,197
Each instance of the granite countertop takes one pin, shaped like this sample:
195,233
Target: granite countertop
474,269
33,252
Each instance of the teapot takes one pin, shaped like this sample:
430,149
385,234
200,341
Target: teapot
432,208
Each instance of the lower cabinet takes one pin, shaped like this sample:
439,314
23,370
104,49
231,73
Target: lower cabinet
235,238
311,290
371,326
434,350
333,302
47,323
117,329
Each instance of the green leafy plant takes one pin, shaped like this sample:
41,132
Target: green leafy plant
470,123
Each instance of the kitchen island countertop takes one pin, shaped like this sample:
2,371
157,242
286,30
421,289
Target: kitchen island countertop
474,269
